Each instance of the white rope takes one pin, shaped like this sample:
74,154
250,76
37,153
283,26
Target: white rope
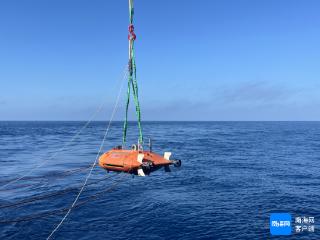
94,163
66,144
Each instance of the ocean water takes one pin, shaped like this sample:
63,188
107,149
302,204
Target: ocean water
233,176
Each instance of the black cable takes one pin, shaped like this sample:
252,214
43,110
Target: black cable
49,195
62,210
49,175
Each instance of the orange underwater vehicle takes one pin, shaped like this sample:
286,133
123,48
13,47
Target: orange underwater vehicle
135,161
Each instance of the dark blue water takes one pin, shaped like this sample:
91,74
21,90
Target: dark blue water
234,174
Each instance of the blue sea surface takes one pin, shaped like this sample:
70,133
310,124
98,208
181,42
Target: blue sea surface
233,176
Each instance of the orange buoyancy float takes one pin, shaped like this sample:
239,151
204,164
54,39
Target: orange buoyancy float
136,161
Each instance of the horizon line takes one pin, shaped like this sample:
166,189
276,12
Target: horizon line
162,121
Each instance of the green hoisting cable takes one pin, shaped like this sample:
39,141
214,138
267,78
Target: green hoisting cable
132,79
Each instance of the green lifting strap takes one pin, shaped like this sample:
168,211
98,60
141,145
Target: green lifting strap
132,80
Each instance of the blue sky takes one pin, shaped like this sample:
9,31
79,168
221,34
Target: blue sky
196,60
